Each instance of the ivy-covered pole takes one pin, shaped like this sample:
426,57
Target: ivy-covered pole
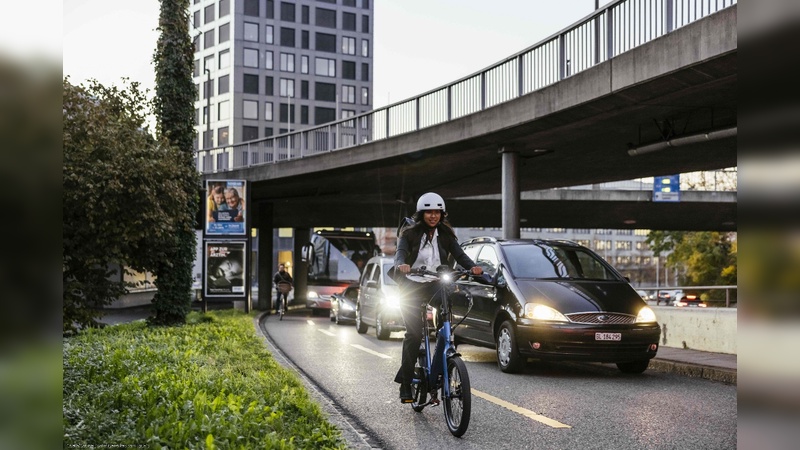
174,106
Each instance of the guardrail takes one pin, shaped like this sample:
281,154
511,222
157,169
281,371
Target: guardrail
657,290
613,29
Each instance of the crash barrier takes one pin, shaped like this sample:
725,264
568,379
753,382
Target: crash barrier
705,329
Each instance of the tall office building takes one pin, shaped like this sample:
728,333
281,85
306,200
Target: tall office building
265,67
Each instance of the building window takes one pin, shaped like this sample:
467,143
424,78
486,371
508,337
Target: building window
348,94
325,18
305,14
624,245
251,8
196,19
325,92
287,114
197,116
323,115
269,32
224,7
224,59
287,62
640,232
304,89
196,68
287,12
251,57
286,88
365,4
642,245
270,9
196,43
223,86
348,21
222,136
208,38
364,96
268,111
365,48
208,139
208,14
304,114
250,109
325,42
348,45
304,64
250,84
251,32
325,67
625,232
602,245
208,63
304,39
349,70
346,114
364,72
269,60
349,3
224,33
287,37
364,122
208,89
583,242
269,84
268,131
365,24
249,133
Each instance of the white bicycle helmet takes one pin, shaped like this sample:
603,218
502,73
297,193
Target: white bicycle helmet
430,201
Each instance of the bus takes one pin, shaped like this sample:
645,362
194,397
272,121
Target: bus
335,260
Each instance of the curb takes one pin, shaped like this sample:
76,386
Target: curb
694,370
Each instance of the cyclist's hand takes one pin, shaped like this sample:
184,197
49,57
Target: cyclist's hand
476,270
404,268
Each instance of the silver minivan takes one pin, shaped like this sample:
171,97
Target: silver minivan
378,302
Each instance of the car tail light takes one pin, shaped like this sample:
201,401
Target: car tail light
653,347
536,345
691,297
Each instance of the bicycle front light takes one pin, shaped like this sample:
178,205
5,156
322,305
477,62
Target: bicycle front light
646,314
542,312
312,294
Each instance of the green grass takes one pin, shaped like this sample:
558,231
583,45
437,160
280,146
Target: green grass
208,384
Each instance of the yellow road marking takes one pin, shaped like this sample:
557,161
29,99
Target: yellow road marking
371,352
520,410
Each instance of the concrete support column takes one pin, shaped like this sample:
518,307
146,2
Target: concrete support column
510,193
262,219
302,236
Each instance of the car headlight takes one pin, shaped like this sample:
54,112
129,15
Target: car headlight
542,312
392,301
312,294
347,307
645,315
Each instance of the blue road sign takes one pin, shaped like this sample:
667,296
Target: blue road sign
667,188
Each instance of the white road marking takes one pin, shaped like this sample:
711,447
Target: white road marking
371,352
310,322
520,410
327,332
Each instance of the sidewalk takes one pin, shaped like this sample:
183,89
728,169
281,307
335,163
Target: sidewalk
696,363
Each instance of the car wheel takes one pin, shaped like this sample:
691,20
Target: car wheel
381,330
507,353
361,327
633,366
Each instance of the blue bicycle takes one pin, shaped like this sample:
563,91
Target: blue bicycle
443,370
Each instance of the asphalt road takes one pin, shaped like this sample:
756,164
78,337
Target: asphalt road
549,406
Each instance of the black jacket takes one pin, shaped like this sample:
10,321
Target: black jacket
407,251
282,277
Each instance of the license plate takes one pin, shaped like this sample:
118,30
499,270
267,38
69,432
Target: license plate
608,336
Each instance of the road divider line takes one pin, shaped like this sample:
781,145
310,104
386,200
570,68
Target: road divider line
371,352
520,410
327,332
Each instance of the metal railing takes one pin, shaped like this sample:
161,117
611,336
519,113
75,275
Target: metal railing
659,289
613,29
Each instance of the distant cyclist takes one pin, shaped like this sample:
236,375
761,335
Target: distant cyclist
428,242
281,276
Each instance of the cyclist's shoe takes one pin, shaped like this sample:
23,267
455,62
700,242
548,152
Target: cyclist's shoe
405,393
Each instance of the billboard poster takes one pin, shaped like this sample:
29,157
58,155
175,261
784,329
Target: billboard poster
225,268
225,207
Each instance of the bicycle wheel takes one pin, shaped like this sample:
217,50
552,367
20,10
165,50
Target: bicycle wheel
419,391
458,405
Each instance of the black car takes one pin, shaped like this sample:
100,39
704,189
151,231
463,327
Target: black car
554,300
343,305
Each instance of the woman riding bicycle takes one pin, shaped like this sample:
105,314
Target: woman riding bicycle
428,242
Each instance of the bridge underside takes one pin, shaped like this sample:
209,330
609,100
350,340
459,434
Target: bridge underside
575,132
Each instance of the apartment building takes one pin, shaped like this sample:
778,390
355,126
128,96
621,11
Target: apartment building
266,67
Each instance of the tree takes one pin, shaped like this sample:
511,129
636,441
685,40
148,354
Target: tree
174,105
707,258
120,195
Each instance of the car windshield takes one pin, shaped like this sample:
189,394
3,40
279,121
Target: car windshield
540,260
387,279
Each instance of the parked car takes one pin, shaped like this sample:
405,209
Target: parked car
689,298
554,300
378,302
343,305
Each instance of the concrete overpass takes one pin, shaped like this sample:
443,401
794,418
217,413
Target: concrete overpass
581,126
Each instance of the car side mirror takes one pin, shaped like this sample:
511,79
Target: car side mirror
499,280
